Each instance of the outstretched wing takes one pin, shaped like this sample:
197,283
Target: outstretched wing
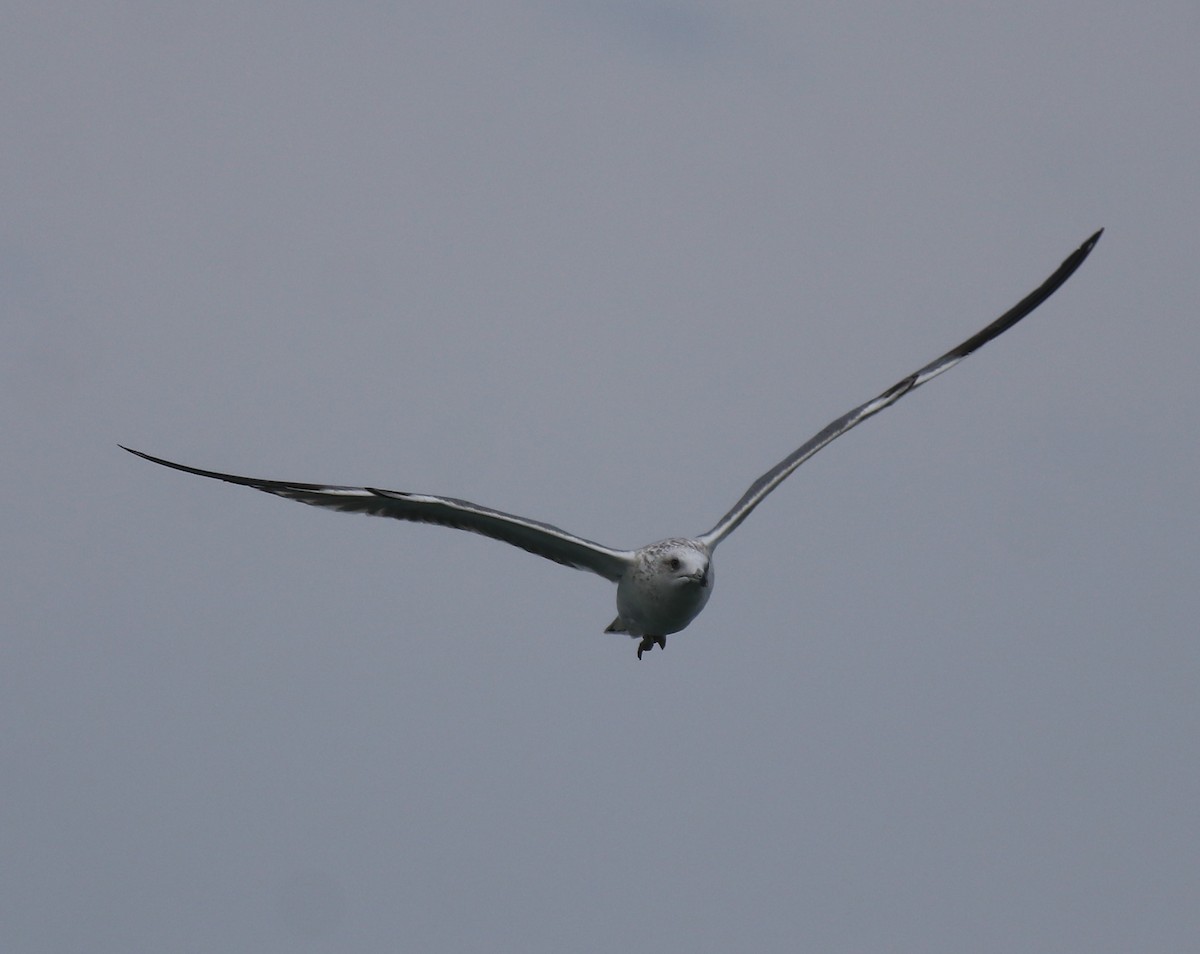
540,538
777,474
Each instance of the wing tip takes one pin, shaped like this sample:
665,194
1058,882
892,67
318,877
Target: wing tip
1071,263
141,454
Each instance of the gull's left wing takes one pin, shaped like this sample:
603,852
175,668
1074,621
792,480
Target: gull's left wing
780,472
536,537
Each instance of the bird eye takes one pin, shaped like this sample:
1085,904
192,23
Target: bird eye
673,563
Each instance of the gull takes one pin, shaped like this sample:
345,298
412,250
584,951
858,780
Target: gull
662,586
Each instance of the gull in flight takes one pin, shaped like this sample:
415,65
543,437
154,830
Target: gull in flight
662,586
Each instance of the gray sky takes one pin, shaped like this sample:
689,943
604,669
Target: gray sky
601,263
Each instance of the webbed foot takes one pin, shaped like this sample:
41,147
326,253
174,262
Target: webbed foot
648,642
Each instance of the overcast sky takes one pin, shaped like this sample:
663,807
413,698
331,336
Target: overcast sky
600,263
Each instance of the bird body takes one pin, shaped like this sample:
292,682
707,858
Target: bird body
662,586
664,589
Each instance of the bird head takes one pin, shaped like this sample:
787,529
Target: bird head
683,562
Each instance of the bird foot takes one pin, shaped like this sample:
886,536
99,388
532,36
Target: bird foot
648,642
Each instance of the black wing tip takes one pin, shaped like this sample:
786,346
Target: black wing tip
1077,257
1071,263
169,463
199,472
144,456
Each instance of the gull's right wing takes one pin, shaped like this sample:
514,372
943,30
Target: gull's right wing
536,537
